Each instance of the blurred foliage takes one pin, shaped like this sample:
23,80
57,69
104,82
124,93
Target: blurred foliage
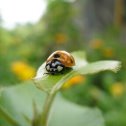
29,45
30,102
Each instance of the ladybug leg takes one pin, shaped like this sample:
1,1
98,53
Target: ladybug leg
52,73
46,73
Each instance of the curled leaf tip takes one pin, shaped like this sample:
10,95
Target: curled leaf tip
116,66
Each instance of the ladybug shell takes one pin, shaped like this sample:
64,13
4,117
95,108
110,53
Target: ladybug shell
64,57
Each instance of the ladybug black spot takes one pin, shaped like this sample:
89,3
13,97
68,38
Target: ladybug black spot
56,56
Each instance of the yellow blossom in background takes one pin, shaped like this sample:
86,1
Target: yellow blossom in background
117,89
22,70
96,43
60,38
73,81
108,52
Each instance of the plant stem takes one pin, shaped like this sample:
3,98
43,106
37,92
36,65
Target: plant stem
44,117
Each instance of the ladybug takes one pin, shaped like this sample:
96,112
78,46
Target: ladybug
59,61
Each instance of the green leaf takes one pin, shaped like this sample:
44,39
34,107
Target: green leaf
66,113
18,102
47,82
99,66
9,118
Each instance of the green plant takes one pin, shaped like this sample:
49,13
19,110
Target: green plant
21,105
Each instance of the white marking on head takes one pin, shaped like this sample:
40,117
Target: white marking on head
48,67
57,62
51,69
54,69
59,68
53,64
